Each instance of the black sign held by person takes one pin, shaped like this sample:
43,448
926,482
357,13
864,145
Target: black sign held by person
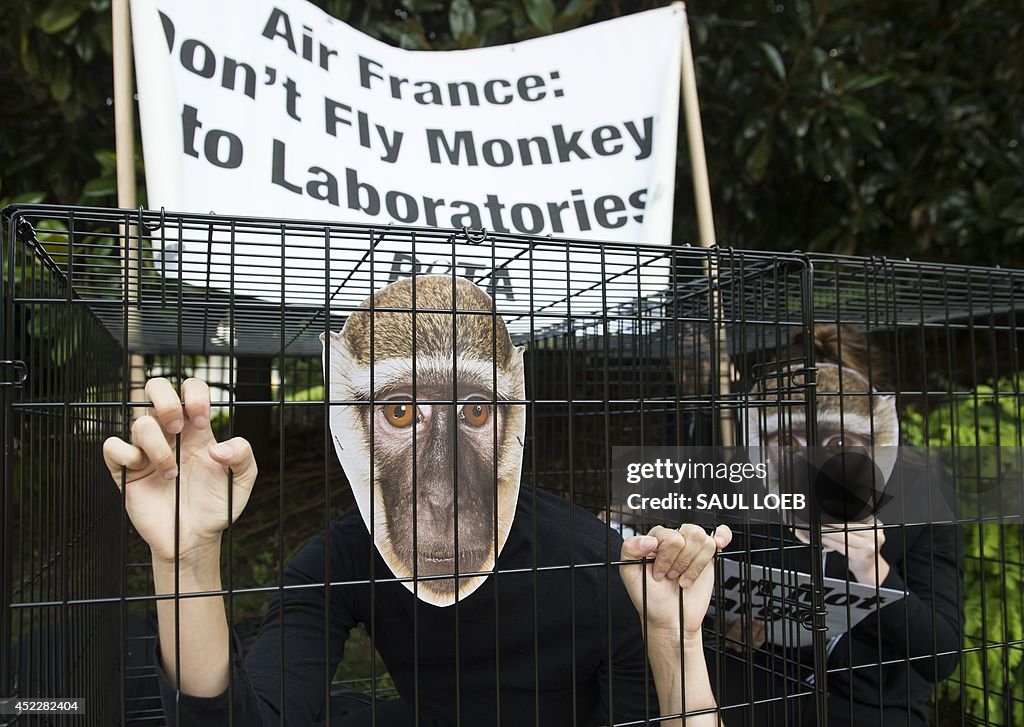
782,598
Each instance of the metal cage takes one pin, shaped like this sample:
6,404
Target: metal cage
643,346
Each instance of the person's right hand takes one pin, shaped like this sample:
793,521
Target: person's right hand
151,470
683,559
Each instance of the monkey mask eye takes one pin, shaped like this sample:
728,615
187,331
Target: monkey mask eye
475,413
837,442
791,439
400,415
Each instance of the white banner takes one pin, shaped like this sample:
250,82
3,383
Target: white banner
253,107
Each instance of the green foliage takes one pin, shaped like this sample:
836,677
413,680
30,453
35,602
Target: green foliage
990,684
892,131
895,129
990,416
55,68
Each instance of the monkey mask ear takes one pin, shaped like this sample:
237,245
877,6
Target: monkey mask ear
335,336
886,440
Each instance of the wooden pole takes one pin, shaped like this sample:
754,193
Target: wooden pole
705,224
124,105
124,148
695,139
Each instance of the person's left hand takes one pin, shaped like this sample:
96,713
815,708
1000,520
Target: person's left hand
861,543
683,559
736,634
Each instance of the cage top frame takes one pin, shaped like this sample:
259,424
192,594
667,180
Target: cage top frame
158,313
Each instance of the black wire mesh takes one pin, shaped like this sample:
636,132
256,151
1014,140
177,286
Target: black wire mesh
633,345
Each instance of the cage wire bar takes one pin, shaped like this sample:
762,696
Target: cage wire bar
622,349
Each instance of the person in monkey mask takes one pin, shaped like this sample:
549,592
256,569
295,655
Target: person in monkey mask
461,574
884,669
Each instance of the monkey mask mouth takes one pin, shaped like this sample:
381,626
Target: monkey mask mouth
858,434
427,419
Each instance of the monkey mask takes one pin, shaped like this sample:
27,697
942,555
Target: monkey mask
426,420
858,432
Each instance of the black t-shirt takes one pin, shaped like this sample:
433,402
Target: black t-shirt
537,643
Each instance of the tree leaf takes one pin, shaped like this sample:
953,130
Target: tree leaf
541,13
862,83
827,84
29,60
59,16
461,18
106,158
422,6
774,59
100,187
492,18
60,86
825,239
757,162
573,14
339,8
28,198
85,47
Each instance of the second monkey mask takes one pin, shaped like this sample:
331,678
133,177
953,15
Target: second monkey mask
854,420
429,436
